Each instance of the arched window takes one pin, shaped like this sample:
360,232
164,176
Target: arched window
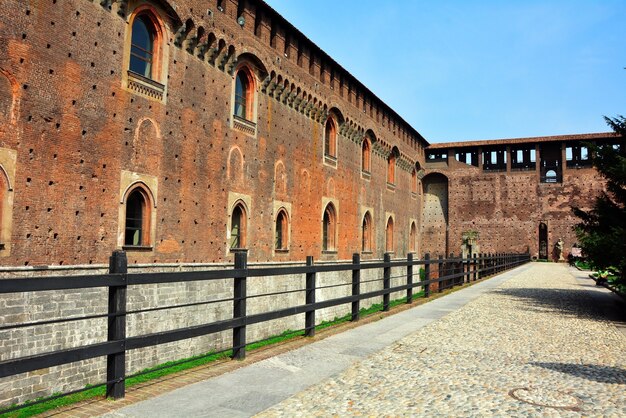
389,235
414,181
391,166
366,156
137,228
329,225
330,138
282,231
244,96
366,233
413,238
142,46
238,227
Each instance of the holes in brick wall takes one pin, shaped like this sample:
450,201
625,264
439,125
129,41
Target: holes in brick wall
28,181
27,12
27,207
50,183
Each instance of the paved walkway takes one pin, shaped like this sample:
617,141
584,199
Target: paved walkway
539,340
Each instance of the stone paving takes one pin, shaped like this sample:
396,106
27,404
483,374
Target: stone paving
538,340
538,345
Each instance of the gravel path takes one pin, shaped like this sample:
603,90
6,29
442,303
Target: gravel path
539,345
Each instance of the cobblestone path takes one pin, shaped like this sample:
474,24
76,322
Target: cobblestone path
538,345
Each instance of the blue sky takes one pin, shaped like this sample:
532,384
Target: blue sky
465,70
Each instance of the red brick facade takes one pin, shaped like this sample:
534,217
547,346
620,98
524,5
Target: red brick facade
80,133
506,199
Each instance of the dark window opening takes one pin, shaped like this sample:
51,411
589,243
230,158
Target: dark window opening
577,156
242,87
436,156
469,157
494,160
142,46
135,215
238,228
523,159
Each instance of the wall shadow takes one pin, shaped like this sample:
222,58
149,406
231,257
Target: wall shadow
597,373
572,302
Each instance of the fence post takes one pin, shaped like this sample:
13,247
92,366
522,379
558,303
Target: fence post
239,305
116,363
427,275
386,281
451,271
309,316
356,286
475,268
440,267
409,278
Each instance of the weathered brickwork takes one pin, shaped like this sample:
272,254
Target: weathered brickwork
74,116
506,205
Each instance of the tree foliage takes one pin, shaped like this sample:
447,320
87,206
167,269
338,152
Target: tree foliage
602,230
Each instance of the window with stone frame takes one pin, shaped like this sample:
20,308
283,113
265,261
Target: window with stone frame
137,219
366,156
238,227
389,235
366,233
281,238
329,228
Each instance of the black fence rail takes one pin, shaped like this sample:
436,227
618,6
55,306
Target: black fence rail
437,275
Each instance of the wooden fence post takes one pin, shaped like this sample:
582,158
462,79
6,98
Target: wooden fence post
356,286
116,363
239,305
309,316
409,278
440,267
386,281
427,275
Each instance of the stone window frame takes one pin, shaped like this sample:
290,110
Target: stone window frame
285,230
367,232
8,160
366,158
242,231
245,201
148,186
413,236
389,233
392,160
330,141
155,86
329,228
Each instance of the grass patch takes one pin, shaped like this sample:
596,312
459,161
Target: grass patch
171,367
583,265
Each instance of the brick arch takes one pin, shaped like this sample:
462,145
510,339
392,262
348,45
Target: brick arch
9,89
146,143
235,165
330,187
305,180
280,178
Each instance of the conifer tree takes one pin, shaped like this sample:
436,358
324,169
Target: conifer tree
602,230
